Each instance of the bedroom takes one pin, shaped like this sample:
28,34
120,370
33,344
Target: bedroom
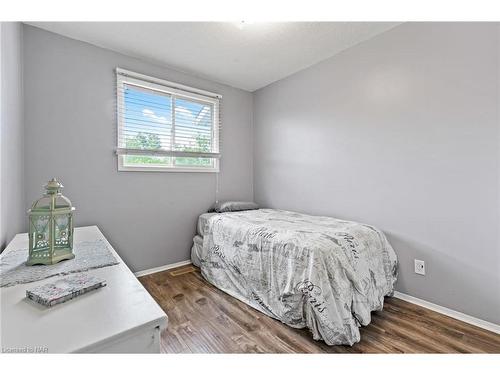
265,187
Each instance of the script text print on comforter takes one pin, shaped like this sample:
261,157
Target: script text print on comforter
306,271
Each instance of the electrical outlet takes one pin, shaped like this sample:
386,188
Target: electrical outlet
419,267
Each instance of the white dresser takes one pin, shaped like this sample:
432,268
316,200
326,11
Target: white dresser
120,318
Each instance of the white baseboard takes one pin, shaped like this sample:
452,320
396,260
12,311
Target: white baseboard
162,268
405,297
449,312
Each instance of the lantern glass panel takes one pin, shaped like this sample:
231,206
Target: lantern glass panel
41,226
61,230
62,201
43,202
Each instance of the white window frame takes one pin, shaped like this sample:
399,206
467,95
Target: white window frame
176,90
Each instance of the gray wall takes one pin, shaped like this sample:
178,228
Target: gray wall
12,208
401,132
149,217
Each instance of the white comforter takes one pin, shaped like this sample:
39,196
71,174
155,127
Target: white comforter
306,271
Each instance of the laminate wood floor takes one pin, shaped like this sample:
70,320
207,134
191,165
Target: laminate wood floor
203,319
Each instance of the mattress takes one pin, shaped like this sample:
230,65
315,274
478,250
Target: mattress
202,222
198,238
306,271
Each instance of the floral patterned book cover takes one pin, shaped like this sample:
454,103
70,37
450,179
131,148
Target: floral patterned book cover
64,289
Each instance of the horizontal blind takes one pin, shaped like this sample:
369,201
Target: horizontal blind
158,118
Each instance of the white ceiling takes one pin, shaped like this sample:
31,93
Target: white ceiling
247,56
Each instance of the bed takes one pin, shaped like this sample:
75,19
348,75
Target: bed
308,271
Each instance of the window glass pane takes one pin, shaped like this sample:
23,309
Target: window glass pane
156,117
193,128
145,160
194,162
147,123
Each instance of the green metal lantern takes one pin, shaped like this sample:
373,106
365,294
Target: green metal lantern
51,227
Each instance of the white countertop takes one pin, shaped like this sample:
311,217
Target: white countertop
118,309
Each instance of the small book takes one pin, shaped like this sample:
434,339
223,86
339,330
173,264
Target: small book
64,289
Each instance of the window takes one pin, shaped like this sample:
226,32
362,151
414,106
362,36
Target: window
163,126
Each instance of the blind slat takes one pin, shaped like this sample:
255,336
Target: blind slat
158,124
